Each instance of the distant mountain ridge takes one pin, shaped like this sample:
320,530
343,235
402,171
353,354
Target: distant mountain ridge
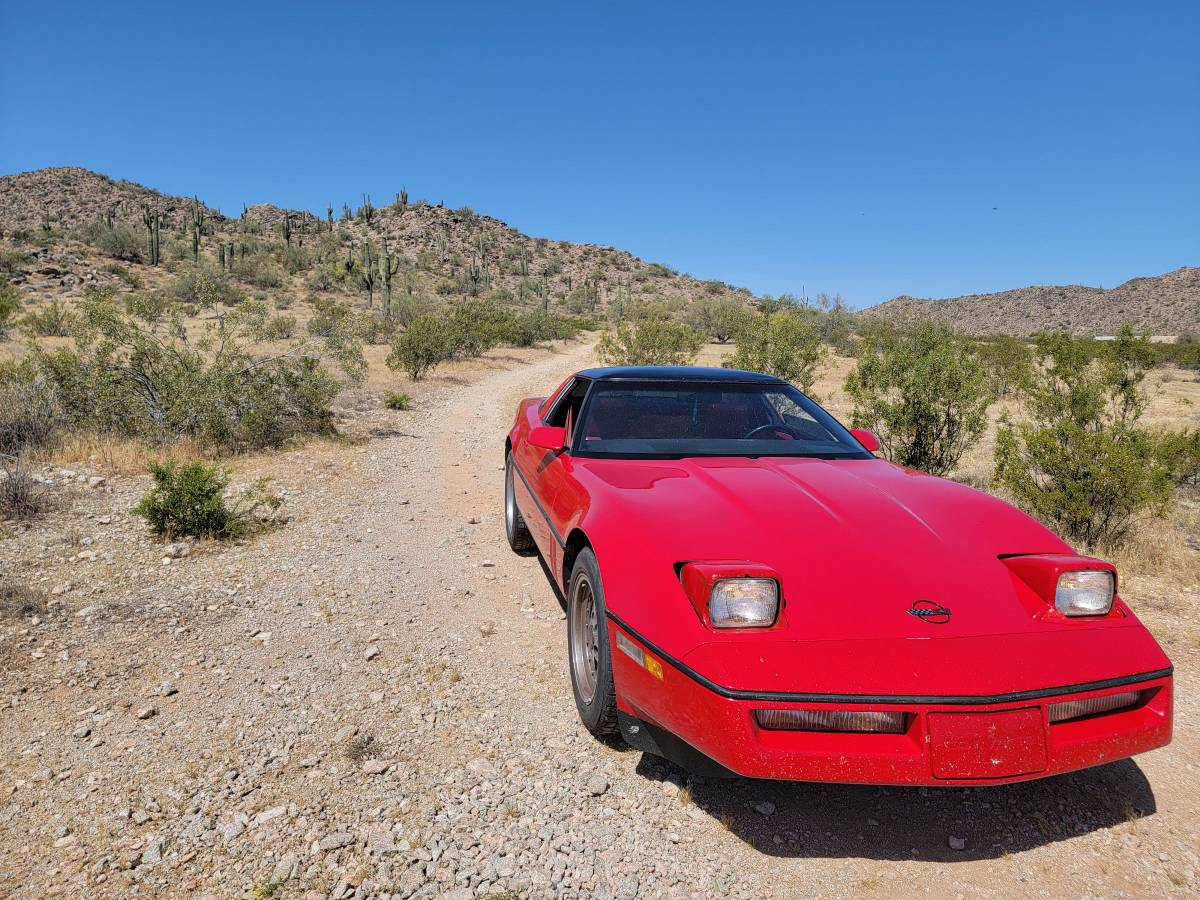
433,242
1167,304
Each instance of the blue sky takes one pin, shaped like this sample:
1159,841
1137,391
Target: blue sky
870,149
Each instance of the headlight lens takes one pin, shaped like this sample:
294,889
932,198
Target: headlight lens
1086,592
743,603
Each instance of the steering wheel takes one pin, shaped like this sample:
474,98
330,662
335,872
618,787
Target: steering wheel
793,434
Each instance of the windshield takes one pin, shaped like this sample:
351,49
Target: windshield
645,419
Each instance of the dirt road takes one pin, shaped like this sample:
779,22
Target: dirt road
373,701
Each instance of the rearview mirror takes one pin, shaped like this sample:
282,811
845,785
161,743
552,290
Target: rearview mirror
866,438
548,437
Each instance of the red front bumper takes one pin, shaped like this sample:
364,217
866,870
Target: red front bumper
947,744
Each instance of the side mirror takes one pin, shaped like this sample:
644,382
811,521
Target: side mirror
866,438
548,437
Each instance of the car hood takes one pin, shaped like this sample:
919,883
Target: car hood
856,542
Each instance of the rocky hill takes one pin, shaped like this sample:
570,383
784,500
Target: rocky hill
1164,304
443,251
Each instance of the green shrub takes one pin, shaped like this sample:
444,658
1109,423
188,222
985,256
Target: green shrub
786,344
120,241
146,380
203,286
123,273
650,343
1180,453
258,269
427,342
188,499
1009,363
53,319
718,318
374,329
12,260
28,410
10,302
1081,464
399,402
924,394
478,326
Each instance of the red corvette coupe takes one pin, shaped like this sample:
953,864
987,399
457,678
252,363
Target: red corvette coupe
750,591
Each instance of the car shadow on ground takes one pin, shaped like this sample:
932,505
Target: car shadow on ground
794,819
814,820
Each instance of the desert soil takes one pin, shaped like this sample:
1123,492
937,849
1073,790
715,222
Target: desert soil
372,700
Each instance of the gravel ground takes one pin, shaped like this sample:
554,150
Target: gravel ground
372,701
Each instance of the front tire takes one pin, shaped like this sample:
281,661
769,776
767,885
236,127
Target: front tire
588,653
515,529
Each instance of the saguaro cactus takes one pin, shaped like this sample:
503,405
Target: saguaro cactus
388,266
369,274
152,219
329,214
286,229
366,212
197,224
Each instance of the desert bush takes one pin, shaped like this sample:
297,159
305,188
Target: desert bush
52,319
399,402
120,241
188,499
329,317
428,341
321,278
786,344
203,286
924,394
718,318
279,328
21,497
147,380
28,410
1009,364
10,302
259,270
478,326
1180,453
18,600
376,329
12,260
123,273
1080,463
650,343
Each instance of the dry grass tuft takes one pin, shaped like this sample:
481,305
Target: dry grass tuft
19,600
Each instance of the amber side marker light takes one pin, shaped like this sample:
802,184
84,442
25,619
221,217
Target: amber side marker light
1092,706
831,720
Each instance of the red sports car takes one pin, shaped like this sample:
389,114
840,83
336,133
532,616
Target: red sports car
749,590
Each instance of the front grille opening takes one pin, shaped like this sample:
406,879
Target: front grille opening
867,722
1073,710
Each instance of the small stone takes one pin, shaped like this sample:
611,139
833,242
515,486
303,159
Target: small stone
596,784
487,564
81,732
147,712
372,652
376,766
763,807
487,629
141,817
167,689
336,841
474,520
957,843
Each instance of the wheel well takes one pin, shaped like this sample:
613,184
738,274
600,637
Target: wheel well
576,541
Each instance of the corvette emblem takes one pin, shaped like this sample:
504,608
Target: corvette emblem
928,611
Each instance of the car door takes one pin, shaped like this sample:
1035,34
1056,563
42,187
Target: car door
542,470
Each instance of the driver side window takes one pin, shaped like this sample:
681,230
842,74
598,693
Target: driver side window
566,411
